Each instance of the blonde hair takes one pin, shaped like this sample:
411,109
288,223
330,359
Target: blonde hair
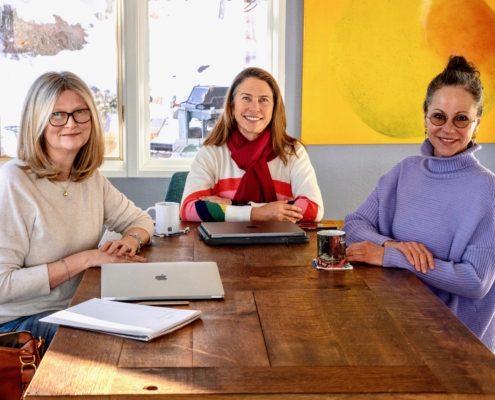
36,111
283,144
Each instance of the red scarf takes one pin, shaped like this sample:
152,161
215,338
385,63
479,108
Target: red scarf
256,184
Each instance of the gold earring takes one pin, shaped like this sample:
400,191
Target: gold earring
426,133
473,138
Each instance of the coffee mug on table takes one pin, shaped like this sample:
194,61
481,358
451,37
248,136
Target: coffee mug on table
331,249
167,218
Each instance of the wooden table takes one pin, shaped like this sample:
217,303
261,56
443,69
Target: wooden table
284,330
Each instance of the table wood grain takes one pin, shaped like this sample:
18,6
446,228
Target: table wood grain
284,331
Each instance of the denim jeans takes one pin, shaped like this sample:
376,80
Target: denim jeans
32,324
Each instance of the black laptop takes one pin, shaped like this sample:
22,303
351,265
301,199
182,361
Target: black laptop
252,232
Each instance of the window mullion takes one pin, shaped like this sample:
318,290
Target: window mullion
135,84
276,40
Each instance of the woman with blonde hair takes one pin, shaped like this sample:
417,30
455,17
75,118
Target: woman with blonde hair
54,204
249,167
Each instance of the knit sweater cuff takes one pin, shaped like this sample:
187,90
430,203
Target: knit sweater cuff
395,258
238,213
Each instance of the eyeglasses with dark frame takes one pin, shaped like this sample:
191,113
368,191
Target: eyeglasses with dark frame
79,116
460,121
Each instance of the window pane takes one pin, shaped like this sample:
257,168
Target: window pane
197,47
56,35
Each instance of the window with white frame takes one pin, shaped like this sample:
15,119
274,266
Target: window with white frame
56,35
158,68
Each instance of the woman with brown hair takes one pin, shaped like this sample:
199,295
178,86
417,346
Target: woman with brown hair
249,167
433,214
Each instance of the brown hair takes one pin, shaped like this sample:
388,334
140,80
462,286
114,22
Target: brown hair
283,144
459,72
36,112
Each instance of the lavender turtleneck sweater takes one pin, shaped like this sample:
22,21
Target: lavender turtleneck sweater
448,204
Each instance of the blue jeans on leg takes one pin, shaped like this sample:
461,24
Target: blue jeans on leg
32,324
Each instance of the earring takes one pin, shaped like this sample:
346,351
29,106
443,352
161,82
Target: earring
473,138
426,133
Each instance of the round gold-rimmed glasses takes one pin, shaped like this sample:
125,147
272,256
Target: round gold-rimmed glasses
460,121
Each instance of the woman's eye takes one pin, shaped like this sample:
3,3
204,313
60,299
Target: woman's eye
462,118
439,116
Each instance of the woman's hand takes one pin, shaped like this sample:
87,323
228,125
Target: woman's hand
276,211
367,252
370,253
216,199
120,247
127,244
99,257
60,272
416,253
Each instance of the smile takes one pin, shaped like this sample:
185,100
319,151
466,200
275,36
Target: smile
447,140
252,118
70,134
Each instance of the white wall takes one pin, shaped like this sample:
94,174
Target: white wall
346,173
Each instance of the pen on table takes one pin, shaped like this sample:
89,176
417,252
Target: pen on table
181,232
164,303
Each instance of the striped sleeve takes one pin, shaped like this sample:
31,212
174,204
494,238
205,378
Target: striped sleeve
303,187
213,173
206,211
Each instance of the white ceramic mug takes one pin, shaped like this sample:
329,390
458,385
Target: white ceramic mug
167,218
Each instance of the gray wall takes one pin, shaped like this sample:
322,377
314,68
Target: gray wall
346,173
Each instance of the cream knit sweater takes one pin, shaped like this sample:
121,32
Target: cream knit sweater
38,225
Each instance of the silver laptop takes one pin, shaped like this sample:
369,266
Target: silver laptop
161,281
252,228
252,232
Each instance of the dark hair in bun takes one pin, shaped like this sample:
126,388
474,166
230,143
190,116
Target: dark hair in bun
459,72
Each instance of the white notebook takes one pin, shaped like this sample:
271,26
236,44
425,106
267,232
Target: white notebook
131,321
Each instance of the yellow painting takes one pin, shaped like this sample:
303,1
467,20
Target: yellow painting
367,64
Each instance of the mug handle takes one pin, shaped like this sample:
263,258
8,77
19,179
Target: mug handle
150,208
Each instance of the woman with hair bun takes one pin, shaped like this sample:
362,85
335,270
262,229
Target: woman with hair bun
433,214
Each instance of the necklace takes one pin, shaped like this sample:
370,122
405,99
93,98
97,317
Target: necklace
65,188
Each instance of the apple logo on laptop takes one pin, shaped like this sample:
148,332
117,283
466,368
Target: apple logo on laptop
161,277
